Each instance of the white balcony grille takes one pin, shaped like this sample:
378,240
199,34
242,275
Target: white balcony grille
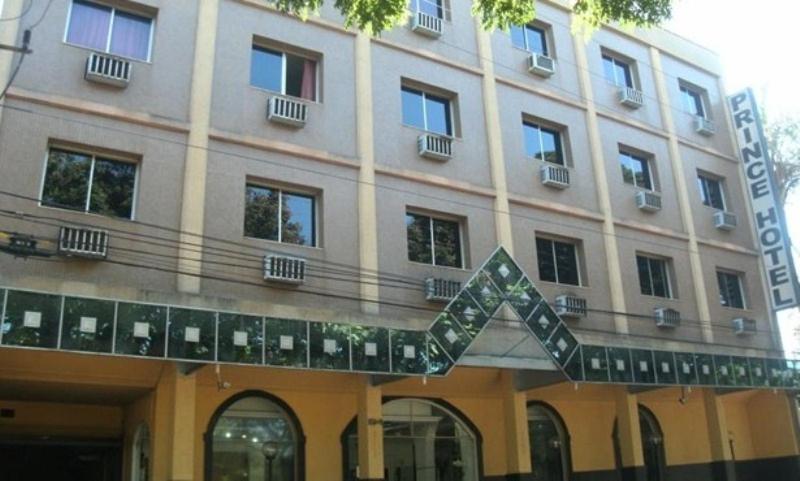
630,97
286,111
436,147
541,65
290,270
570,306
80,242
555,176
725,220
703,126
648,201
427,25
667,318
743,326
441,290
109,70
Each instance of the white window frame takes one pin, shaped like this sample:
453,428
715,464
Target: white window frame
444,7
555,258
431,218
111,31
648,161
559,133
93,155
686,88
628,65
450,115
545,36
667,275
740,284
703,177
283,72
281,191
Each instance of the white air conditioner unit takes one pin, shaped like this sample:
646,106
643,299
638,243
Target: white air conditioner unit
666,317
289,270
703,126
441,290
648,201
554,176
570,306
287,111
83,242
743,326
630,97
435,147
109,70
541,65
725,220
427,25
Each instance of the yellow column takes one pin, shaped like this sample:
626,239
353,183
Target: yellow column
367,215
515,415
601,184
8,36
173,429
494,138
195,167
370,433
696,266
722,462
629,435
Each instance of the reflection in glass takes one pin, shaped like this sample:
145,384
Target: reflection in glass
67,180
113,184
548,443
296,223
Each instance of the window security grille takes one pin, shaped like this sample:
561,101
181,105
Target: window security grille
290,270
648,201
286,111
107,69
80,242
441,290
668,318
435,147
725,220
570,306
630,97
555,176
541,65
427,25
743,326
703,126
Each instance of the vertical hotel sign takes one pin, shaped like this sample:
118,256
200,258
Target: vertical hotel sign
767,212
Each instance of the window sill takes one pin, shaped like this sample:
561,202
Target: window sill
660,299
558,285
737,310
273,92
284,244
92,214
94,50
423,131
547,162
455,269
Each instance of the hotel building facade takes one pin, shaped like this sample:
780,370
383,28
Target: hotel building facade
243,246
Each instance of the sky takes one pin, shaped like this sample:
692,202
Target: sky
755,41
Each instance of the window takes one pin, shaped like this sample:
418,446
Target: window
434,241
255,438
636,170
549,444
528,37
653,276
296,223
558,261
433,8
543,143
89,183
617,71
109,30
426,111
693,100
731,293
711,191
285,73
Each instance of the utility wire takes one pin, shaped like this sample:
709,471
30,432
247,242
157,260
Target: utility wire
24,12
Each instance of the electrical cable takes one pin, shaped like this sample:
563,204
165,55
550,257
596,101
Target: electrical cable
22,14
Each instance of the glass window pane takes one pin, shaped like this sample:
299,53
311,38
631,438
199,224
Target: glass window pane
431,7
240,338
261,213
546,444
608,69
533,142
412,108
31,319
298,219
418,231
625,162
88,25
641,171
300,77
67,179
551,141
192,334
518,36
286,342
701,185
266,69
329,345
645,282
370,348
547,263
113,188
623,74
140,329
566,263
658,271
437,111
88,325
131,35
715,194
536,40
447,243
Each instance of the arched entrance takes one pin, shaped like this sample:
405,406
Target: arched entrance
254,436
652,445
549,442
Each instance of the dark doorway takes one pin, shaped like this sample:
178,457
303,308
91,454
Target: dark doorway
61,460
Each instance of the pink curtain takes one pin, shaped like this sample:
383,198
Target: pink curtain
308,89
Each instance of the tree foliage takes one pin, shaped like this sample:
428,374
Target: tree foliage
376,16
783,140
